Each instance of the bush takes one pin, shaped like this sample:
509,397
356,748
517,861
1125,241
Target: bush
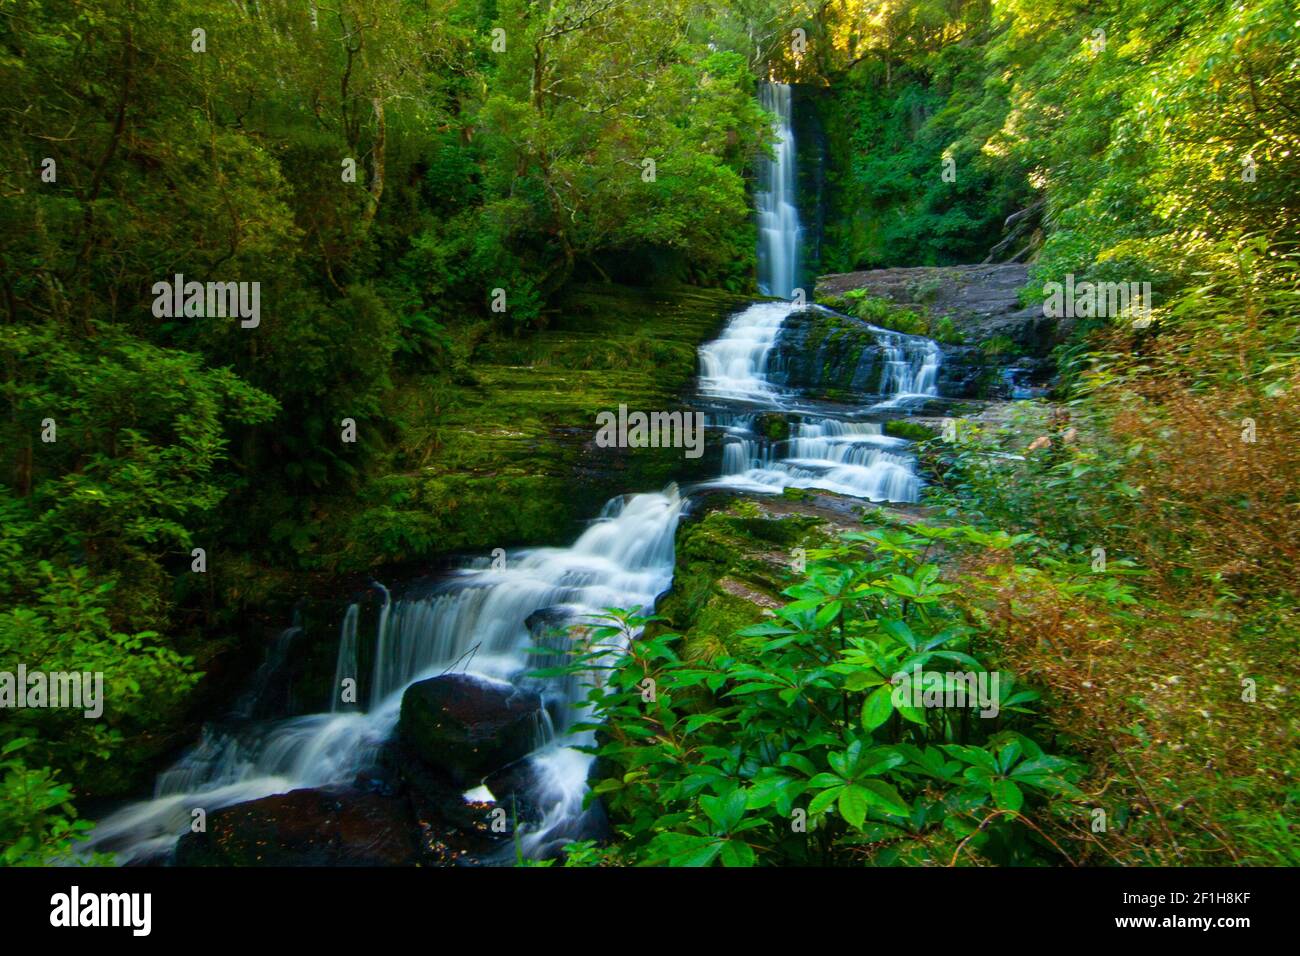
798,749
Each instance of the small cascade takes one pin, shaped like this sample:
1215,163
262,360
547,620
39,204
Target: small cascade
254,700
346,668
911,369
476,621
851,458
734,365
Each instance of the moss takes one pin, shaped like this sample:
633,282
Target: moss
732,565
912,431
999,347
943,330
498,452
713,631
773,426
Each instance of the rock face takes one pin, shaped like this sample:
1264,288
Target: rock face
982,301
1003,351
825,352
305,828
466,726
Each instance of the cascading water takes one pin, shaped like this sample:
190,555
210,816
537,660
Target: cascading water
778,216
478,620
625,559
851,458
734,365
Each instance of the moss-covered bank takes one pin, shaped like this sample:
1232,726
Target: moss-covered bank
736,555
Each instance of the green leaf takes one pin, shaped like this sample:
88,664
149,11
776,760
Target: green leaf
877,707
881,794
901,632
824,799
737,853
1007,796
853,805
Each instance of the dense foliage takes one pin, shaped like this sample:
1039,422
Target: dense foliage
415,184
379,167
824,737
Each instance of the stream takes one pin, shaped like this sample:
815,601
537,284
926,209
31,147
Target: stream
476,620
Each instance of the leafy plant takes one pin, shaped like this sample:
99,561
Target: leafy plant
803,747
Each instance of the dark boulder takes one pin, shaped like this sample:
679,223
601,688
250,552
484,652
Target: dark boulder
467,726
305,828
452,831
823,352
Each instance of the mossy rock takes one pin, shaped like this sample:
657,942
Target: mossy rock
773,426
912,431
733,562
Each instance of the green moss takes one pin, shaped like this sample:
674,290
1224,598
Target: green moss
713,631
487,453
732,565
999,346
773,426
943,330
912,431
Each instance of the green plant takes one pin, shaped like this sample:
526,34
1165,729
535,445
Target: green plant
802,747
38,823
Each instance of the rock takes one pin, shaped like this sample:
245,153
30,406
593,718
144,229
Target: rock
823,352
305,828
467,726
983,301
452,831
774,426
515,788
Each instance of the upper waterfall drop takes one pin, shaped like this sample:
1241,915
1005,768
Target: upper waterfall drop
779,232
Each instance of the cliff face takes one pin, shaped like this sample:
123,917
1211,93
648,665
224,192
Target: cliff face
993,347
982,301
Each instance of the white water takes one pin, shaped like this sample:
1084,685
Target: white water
734,365
851,458
476,621
778,218
625,559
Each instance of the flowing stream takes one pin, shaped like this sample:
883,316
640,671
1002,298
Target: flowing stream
477,620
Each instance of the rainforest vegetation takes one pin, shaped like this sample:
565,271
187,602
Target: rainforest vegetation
434,194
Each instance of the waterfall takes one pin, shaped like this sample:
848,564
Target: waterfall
734,365
479,620
778,216
624,559
346,667
911,368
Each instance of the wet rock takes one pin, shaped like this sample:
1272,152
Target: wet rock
451,831
823,352
774,426
305,828
467,726
515,788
